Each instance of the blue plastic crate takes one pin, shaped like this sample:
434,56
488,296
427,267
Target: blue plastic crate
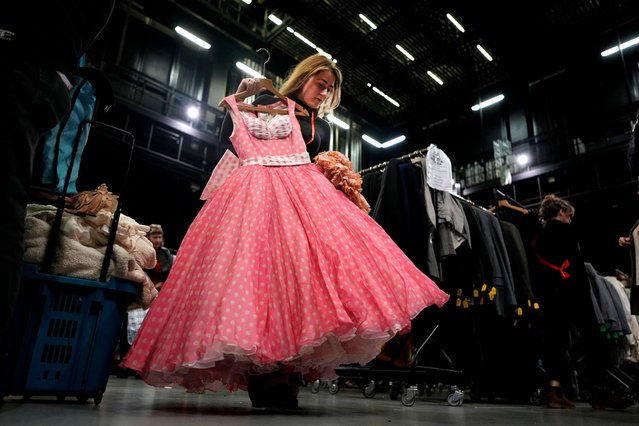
64,334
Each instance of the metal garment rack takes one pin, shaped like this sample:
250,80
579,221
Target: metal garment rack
403,157
497,193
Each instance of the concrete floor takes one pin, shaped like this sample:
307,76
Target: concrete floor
132,402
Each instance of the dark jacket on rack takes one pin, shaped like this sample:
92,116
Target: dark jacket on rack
401,210
634,261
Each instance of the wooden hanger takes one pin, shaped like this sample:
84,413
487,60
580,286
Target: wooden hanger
506,203
266,84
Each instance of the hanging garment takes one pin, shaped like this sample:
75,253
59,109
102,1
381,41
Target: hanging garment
634,261
278,268
401,210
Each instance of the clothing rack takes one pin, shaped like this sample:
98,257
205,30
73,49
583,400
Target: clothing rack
403,157
472,203
510,199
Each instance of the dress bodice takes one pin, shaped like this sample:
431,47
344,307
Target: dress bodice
279,137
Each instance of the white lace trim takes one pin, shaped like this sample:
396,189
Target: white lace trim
279,160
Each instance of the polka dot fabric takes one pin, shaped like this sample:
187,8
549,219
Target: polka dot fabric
278,268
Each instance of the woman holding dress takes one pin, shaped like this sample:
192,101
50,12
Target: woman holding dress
280,274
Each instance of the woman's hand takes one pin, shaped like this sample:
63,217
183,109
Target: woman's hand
250,85
624,241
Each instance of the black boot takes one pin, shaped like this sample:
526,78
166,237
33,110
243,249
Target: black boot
272,390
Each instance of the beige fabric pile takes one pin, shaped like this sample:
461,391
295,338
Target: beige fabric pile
82,245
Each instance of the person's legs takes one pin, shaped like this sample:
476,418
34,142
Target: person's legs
274,390
556,342
33,100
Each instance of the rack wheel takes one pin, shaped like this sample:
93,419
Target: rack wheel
60,398
315,387
369,389
456,398
333,387
535,397
396,390
97,399
409,396
83,399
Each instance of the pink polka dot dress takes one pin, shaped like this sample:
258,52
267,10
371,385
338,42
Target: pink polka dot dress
279,268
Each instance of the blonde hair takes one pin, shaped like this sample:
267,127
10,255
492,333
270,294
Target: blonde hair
551,205
307,68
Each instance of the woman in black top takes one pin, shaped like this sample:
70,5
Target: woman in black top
310,86
315,85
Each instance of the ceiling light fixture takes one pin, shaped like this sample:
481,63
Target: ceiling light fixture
322,52
250,71
371,141
338,122
310,43
193,112
386,144
455,23
191,37
247,1
488,102
394,141
304,39
621,46
484,52
274,19
385,96
405,52
368,21
435,77
522,159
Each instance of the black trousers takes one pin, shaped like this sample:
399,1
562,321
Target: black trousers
32,101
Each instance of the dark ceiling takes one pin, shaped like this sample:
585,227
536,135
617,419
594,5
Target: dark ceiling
528,39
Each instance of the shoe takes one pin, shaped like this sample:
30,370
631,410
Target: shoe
557,399
602,398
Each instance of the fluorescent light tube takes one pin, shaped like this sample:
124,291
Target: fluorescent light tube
484,52
304,39
385,96
338,122
622,46
250,71
386,144
405,52
368,21
371,141
394,141
435,77
274,19
455,23
191,37
247,1
488,102
322,52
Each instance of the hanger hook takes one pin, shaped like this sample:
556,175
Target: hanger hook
268,58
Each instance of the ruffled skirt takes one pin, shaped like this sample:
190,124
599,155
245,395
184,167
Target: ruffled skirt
278,269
